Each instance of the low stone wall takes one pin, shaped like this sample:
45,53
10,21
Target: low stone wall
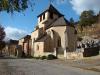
43,54
60,56
74,55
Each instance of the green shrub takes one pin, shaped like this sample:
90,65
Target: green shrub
29,56
43,57
79,39
51,57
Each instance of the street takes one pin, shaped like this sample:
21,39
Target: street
39,67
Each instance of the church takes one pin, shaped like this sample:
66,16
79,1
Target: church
53,35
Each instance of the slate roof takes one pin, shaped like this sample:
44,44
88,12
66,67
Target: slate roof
14,42
52,9
25,37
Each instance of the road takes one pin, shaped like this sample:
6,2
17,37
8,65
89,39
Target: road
39,67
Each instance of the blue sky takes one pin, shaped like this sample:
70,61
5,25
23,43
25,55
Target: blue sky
20,24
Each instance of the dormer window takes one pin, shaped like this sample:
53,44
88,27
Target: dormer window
51,15
43,16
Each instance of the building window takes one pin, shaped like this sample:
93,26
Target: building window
51,15
40,18
59,42
37,47
43,16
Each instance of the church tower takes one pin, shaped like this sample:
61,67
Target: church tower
48,16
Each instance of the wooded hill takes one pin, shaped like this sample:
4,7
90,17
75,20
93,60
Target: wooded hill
92,30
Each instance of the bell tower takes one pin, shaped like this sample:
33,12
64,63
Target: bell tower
48,16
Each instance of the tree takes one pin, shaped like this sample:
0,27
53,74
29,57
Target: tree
87,18
2,36
13,5
17,5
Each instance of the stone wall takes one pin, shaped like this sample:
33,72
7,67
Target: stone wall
38,48
74,55
71,38
60,33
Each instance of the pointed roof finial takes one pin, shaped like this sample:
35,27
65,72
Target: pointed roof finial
51,2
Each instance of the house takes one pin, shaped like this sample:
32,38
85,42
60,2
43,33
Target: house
10,48
53,35
25,45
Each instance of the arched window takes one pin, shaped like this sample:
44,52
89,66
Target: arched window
43,16
59,42
37,47
40,18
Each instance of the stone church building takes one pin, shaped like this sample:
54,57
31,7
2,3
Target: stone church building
53,34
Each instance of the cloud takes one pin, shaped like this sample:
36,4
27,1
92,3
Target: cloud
14,33
81,5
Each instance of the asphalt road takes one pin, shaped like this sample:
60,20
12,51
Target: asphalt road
39,67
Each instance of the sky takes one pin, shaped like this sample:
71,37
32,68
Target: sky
18,25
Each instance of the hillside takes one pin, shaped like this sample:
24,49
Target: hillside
92,31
